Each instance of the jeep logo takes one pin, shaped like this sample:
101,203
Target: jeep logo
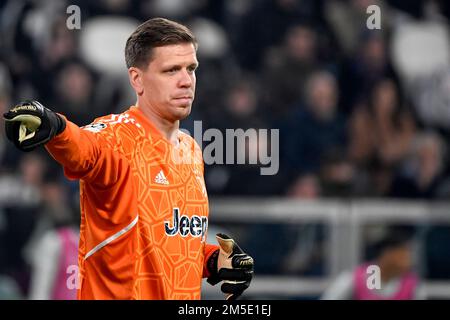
196,226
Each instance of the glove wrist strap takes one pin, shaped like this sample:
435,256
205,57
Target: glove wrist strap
61,124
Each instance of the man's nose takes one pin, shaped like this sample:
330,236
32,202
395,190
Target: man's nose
185,80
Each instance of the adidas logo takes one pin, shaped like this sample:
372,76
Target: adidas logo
161,178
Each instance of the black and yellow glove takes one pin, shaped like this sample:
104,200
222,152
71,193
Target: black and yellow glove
232,266
30,124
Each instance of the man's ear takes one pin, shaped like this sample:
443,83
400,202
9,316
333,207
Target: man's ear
135,75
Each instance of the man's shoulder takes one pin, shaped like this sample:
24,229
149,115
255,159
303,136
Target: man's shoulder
186,136
113,122
189,139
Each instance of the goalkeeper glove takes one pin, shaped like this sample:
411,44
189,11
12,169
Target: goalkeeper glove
232,266
30,124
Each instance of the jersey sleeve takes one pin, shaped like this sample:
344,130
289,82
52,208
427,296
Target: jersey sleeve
89,153
109,214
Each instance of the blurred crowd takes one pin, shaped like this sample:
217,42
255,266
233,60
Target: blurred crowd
361,113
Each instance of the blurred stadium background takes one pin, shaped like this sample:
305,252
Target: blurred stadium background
364,119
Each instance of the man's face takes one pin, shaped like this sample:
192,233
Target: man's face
323,98
168,82
399,259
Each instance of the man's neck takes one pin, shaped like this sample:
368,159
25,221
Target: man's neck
168,129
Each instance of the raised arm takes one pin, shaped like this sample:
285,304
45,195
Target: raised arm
83,154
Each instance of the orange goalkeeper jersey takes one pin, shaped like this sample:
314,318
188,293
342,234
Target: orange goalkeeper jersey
144,208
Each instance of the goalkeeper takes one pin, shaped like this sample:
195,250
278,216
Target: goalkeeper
144,206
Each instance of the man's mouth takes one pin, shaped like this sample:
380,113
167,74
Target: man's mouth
184,99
